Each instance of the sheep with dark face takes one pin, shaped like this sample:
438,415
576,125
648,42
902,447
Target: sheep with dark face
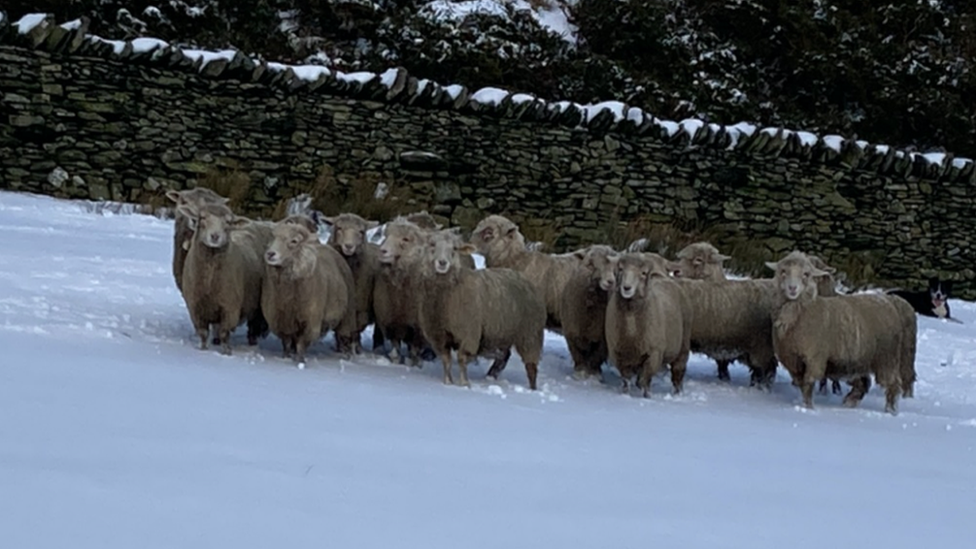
308,290
223,273
348,237
648,322
184,226
478,312
844,336
583,308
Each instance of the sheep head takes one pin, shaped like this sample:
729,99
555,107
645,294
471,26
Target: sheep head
349,232
197,196
402,239
634,270
701,261
304,220
444,249
826,285
212,223
290,245
796,276
496,233
601,262
423,220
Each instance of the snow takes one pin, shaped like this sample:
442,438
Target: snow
363,77
635,115
208,56
519,98
117,428
551,15
457,11
489,96
74,24
146,45
388,78
453,91
807,139
615,107
935,158
669,126
835,142
118,46
554,17
692,126
309,73
960,163
882,149
27,23
736,131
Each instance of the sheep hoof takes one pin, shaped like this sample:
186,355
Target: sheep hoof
581,375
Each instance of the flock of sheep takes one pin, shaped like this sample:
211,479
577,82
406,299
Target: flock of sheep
637,311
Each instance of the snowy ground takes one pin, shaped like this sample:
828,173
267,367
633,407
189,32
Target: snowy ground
115,431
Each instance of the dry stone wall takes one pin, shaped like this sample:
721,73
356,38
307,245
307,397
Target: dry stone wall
89,118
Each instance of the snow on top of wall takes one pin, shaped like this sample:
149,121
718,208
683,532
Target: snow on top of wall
27,23
495,96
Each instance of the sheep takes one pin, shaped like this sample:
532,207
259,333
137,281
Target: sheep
478,312
701,261
648,322
348,236
184,226
583,308
849,336
396,292
503,245
223,273
308,290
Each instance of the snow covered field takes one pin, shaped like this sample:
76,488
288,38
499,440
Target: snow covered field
115,431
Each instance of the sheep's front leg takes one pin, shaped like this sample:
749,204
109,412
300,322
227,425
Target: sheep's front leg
723,370
678,369
463,359
652,361
809,381
446,361
859,388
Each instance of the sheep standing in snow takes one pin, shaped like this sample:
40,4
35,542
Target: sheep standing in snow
848,336
348,237
478,312
648,322
308,290
223,273
583,308
184,226
700,261
397,289
503,245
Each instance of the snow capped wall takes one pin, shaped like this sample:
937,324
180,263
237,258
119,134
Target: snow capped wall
101,119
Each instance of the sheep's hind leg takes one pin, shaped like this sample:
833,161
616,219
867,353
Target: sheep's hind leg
723,370
463,359
678,369
446,360
859,388
498,365
652,362
891,398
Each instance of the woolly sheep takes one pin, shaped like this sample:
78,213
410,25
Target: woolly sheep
503,245
223,273
583,308
184,226
848,336
397,288
308,290
348,237
701,261
648,323
478,312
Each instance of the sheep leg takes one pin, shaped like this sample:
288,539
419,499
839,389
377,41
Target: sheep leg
823,386
581,369
678,369
499,364
204,334
300,347
532,371
859,387
723,370
287,344
446,360
225,341
891,398
652,362
256,327
808,383
463,359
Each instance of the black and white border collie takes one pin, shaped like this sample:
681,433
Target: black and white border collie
932,302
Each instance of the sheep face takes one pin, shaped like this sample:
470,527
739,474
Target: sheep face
288,239
402,239
601,262
699,260
796,275
632,273
349,232
496,232
304,220
212,223
444,249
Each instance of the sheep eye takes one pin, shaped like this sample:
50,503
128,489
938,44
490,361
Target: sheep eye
806,275
406,239
644,274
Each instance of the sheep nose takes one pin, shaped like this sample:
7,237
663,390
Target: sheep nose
791,287
270,256
441,263
215,238
347,249
627,288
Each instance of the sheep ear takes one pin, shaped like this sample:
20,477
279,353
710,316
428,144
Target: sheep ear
772,265
817,273
223,200
511,231
467,249
487,234
174,195
673,267
238,222
580,254
187,210
719,258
